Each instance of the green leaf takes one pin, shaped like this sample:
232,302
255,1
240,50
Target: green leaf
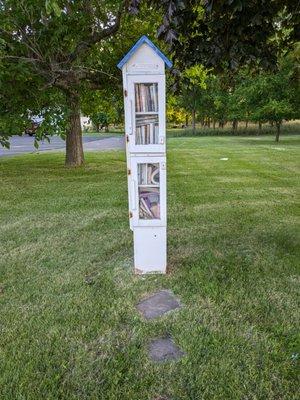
51,5
48,6
56,8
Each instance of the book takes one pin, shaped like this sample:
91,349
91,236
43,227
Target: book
147,129
146,97
149,203
148,174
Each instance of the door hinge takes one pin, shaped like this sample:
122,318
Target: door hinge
130,214
125,93
128,171
127,138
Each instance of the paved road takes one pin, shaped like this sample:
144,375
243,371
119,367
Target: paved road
24,144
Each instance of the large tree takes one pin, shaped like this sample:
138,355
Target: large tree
274,97
228,34
52,52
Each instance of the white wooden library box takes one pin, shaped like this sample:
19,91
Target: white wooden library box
143,69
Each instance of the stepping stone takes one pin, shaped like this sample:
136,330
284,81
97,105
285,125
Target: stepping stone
158,304
164,349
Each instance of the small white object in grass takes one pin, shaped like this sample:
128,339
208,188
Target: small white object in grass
295,356
224,159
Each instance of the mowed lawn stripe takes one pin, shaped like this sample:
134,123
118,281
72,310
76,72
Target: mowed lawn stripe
69,328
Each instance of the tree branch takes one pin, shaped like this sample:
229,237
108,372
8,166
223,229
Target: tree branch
96,37
27,59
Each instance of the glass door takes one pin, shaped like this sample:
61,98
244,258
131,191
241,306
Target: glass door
149,191
147,101
146,113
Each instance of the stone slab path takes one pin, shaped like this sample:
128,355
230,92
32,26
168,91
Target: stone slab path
164,349
161,349
158,304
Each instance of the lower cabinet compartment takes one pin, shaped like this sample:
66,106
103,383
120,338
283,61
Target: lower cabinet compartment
148,191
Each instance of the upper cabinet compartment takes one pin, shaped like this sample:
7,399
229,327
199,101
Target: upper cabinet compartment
143,69
147,127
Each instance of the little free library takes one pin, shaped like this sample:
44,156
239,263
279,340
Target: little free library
143,70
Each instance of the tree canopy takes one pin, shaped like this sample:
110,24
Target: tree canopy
52,53
58,57
229,34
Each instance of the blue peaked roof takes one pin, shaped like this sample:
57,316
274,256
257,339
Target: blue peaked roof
137,45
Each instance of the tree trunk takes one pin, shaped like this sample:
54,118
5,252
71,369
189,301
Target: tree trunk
278,126
246,125
214,124
186,120
74,148
234,126
194,121
259,127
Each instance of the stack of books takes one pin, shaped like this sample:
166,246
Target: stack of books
146,97
149,207
148,180
147,130
146,101
148,174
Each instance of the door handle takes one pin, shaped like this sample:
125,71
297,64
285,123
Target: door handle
132,118
133,194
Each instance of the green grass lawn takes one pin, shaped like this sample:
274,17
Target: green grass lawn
69,328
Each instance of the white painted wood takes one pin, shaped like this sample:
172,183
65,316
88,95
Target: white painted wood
150,249
127,128
150,235
145,61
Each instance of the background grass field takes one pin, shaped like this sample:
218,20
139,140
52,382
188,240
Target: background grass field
69,328
287,128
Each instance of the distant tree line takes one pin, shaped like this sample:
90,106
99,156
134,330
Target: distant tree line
215,100
247,96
